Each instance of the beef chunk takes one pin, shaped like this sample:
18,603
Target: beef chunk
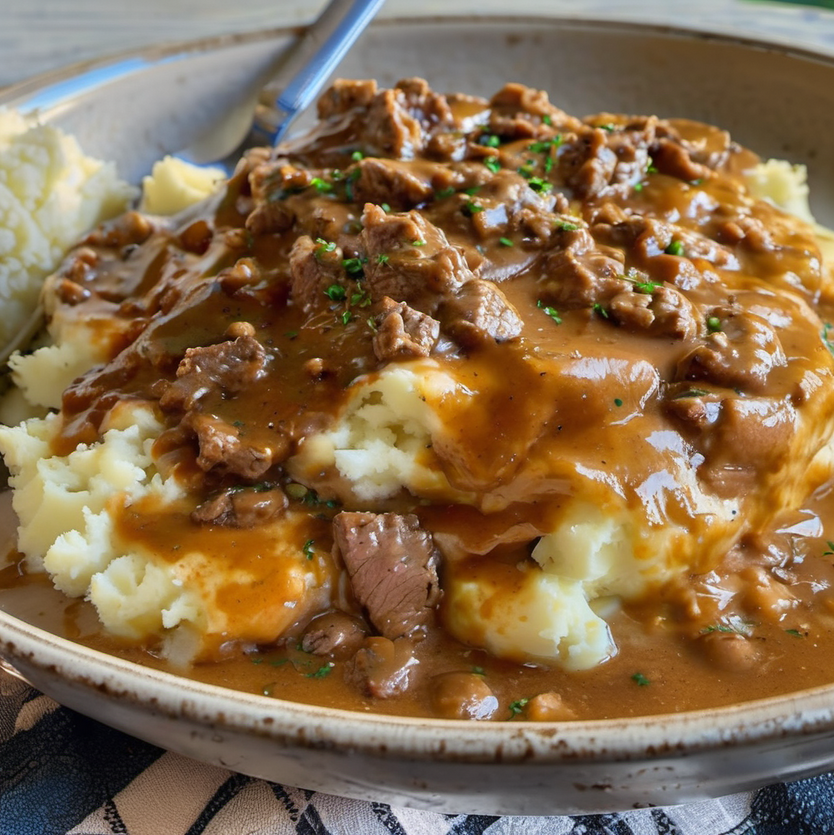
479,311
581,274
665,312
410,259
392,563
334,633
672,158
403,332
225,369
519,112
223,448
382,668
314,266
386,181
459,695
344,95
245,507
739,355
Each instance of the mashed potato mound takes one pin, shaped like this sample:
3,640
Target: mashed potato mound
50,194
175,185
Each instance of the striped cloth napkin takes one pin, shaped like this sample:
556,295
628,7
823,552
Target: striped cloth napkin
64,774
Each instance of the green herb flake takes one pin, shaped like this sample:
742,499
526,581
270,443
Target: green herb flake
357,155
691,393
320,185
323,247
713,324
278,662
493,164
385,208
291,334
640,680
336,293
565,225
471,208
598,308
651,168
257,660
547,119
490,140
382,259
418,243
609,127
505,242
322,671
675,248
550,311
478,671
539,185
309,548
618,402
825,333
517,707
353,266
638,187
443,193
346,317
830,551
796,633
642,283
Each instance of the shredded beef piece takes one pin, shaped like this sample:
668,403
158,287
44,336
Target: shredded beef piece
384,181
392,563
344,95
241,507
223,447
587,163
665,311
479,311
382,668
672,158
334,633
581,274
519,112
410,259
126,230
740,355
313,269
403,332
227,368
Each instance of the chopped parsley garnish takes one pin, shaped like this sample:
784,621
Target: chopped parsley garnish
609,127
691,393
311,498
826,338
323,247
545,145
385,208
350,180
321,185
640,680
651,168
322,671
517,707
493,164
713,324
638,187
471,208
505,242
526,170
336,293
618,402
443,193
550,311
796,633
308,548
675,248
360,298
565,225
291,334
257,660
382,259
353,266
642,283
539,185
418,243
478,671
547,119
357,155
733,625
346,317
830,551
598,308
490,140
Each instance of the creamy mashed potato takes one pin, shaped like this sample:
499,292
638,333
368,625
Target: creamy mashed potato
50,194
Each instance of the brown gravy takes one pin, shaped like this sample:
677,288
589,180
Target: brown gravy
641,295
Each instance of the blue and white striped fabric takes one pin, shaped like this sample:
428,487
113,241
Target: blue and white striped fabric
64,774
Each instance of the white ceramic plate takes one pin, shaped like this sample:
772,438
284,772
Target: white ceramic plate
776,101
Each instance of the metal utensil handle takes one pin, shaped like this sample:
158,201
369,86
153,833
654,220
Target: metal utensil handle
316,56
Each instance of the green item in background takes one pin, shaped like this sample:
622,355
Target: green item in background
826,4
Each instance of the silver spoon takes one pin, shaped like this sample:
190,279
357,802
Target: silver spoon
292,90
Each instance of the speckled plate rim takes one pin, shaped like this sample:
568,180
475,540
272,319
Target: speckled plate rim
804,713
